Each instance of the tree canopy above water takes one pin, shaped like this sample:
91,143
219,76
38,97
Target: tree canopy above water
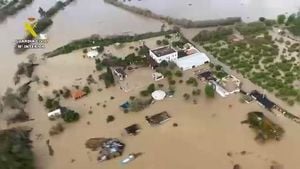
15,152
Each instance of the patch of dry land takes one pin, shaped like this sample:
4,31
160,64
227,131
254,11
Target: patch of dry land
209,132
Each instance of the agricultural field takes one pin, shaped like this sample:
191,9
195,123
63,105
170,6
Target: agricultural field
260,52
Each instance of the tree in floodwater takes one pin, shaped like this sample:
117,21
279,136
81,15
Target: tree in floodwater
281,19
15,150
209,91
12,100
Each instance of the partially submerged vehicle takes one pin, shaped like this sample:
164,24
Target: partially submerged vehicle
129,158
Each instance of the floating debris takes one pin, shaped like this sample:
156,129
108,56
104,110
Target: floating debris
111,148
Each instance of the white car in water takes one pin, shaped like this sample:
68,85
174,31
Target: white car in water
130,158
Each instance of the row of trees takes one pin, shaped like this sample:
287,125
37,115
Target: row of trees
12,8
97,41
108,78
221,33
292,22
13,103
251,28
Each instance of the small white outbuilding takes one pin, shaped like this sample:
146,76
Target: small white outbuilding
92,54
157,76
158,95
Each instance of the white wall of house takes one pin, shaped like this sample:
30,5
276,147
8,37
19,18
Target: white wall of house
172,57
221,91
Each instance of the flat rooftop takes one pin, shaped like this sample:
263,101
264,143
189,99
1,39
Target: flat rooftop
262,99
163,51
231,83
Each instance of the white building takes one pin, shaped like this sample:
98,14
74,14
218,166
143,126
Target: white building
192,61
193,58
92,54
54,114
219,89
165,53
157,76
95,47
227,86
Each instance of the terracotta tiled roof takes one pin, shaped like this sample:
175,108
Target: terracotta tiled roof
78,94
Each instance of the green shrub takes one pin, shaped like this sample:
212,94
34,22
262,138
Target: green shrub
69,115
109,78
144,93
213,36
209,91
251,28
67,93
86,89
56,129
110,118
40,98
160,85
171,82
186,96
158,42
51,104
151,88
178,44
178,73
281,19
192,81
196,92
46,83
165,42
